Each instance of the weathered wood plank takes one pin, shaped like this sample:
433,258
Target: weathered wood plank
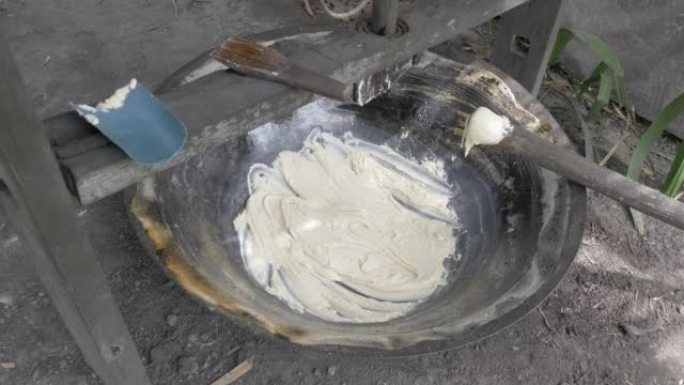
535,23
42,211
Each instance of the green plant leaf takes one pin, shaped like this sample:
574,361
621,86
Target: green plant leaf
675,178
492,26
660,123
603,97
609,72
620,90
602,51
562,39
593,78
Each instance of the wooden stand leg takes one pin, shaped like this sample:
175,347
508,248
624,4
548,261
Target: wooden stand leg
384,17
39,207
524,40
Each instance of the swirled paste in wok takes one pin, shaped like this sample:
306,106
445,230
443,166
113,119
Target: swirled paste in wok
347,230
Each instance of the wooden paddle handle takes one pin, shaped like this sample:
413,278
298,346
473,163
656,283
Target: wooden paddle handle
595,177
253,59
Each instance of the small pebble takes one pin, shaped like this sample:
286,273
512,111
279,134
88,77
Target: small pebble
6,299
207,338
209,361
642,329
332,370
171,320
680,309
10,240
188,365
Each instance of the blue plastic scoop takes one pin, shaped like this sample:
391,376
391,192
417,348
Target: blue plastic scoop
139,123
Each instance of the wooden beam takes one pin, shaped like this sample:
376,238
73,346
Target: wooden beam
43,213
524,40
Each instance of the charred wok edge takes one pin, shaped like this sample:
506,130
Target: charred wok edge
526,111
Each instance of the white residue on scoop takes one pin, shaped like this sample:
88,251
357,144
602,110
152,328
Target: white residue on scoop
348,230
484,127
118,97
92,119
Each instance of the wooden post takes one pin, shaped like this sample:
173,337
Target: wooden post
524,40
384,17
41,210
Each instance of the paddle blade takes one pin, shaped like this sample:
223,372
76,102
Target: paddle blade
249,57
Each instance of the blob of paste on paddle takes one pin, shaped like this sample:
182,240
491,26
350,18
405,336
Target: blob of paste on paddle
485,127
347,230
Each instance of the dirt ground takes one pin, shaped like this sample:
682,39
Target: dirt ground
616,318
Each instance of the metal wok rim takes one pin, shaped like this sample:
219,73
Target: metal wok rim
201,290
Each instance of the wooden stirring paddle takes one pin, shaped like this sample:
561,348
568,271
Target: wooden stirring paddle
253,59
487,128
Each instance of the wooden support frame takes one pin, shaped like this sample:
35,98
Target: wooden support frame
524,40
39,207
223,106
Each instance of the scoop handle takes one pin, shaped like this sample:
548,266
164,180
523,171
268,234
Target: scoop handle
585,172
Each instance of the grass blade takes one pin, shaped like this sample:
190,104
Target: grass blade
593,78
620,90
603,97
608,61
675,178
638,219
664,118
602,51
562,39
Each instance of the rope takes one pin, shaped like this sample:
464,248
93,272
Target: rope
342,15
